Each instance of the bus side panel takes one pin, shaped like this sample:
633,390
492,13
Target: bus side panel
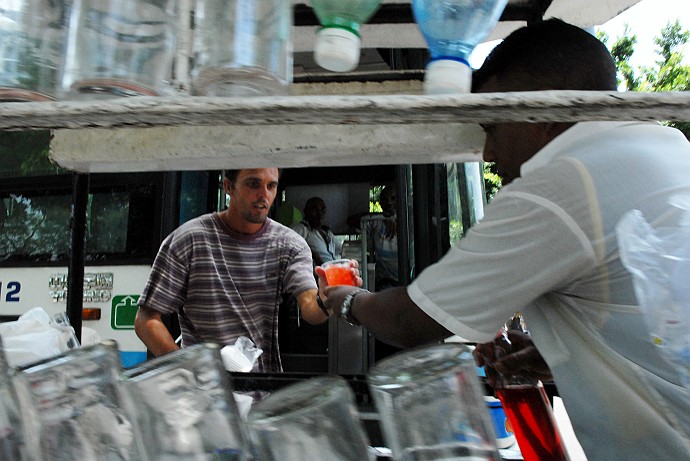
114,290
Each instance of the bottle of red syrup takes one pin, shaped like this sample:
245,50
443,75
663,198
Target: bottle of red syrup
527,406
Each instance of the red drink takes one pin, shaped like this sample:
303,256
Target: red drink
529,412
339,275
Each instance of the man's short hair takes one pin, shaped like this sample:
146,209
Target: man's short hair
231,175
549,55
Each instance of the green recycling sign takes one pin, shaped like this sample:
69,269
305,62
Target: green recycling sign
123,312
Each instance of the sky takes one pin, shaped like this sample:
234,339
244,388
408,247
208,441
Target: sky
646,19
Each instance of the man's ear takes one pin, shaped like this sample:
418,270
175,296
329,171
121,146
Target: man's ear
228,186
553,129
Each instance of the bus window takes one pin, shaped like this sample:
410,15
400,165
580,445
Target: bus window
466,197
35,217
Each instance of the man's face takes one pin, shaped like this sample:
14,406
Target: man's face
253,193
315,211
509,145
388,201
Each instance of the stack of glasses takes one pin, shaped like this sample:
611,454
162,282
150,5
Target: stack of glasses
83,405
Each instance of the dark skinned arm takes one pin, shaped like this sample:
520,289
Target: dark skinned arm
390,315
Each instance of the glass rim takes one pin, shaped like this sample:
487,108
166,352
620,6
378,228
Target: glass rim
336,261
299,398
420,364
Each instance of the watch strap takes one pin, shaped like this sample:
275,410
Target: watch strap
322,306
346,307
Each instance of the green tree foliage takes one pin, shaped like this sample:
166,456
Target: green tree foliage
25,153
668,73
492,181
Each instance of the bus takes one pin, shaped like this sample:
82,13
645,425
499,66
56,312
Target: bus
129,214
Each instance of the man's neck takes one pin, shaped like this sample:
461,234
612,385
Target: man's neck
315,224
238,224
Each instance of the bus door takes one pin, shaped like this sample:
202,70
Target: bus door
439,202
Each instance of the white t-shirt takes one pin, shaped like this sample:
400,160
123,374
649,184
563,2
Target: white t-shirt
385,248
547,247
322,244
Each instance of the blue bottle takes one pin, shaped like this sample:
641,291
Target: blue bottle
452,29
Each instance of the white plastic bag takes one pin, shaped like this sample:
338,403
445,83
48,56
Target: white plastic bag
240,356
34,336
659,260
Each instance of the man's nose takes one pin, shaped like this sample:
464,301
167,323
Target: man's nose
488,154
264,191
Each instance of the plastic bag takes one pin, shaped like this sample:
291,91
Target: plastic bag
240,356
659,260
36,335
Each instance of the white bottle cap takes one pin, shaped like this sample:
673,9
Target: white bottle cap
444,76
337,49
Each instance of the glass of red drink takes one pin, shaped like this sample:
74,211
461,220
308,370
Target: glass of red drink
529,411
338,272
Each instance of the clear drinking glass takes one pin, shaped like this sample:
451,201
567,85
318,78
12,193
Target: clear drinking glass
338,272
119,48
61,319
431,405
11,437
188,411
242,48
313,419
74,407
32,36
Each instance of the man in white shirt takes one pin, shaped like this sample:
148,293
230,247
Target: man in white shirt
547,247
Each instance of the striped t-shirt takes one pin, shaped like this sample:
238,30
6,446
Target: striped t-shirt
224,285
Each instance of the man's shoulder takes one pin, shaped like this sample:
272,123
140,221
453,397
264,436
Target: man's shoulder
287,237
299,227
277,229
200,225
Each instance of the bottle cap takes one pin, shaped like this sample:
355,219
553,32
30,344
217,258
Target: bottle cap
444,76
337,49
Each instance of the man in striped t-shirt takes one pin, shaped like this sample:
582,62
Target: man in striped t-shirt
224,274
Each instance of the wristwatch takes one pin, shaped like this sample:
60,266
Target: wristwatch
346,307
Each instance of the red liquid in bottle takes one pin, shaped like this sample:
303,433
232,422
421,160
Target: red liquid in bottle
529,412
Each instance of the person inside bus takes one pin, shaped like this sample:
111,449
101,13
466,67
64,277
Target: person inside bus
547,247
224,274
317,234
381,230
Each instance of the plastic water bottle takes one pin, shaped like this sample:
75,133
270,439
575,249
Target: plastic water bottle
452,29
338,41
242,48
